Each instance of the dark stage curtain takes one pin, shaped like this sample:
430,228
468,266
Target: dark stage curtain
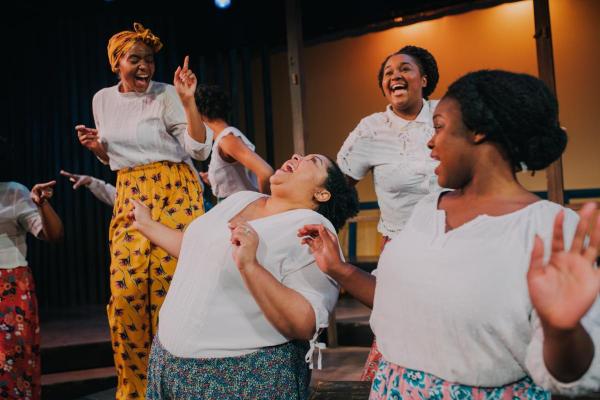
53,66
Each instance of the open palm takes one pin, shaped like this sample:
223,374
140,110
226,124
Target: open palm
564,289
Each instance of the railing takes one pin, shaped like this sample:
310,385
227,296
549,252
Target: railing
372,205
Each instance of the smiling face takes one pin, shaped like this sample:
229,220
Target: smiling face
402,85
301,178
136,68
453,145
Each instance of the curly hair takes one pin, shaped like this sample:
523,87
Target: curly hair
427,66
212,102
515,110
343,203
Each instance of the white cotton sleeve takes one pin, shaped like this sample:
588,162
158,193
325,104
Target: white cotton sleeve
26,211
105,192
96,102
534,361
354,158
176,123
317,288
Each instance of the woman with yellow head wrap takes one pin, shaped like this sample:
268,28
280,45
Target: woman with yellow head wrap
147,131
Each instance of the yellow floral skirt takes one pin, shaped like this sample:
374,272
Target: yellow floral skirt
140,272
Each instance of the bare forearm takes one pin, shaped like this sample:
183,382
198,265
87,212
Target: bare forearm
360,284
100,152
567,355
52,227
287,310
162,236
196,128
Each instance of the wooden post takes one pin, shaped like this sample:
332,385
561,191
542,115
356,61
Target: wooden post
295,46
545,58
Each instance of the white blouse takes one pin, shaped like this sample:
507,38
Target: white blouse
396,150
208,311
142,128
18,215
455,304
227,178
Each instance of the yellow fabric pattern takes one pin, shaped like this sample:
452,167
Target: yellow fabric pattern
140,273
121,42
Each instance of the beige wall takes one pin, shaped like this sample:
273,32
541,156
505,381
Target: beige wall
341,86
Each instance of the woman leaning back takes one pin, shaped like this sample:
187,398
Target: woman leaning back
144,133
488,291
247,296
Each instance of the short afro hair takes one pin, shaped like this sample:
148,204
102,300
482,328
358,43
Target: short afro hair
427,66
212,102
343,203
515,110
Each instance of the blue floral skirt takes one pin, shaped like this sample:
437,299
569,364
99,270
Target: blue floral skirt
393,382
278,372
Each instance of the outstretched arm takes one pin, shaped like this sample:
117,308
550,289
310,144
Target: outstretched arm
287,310
159,234
562,292
52,227
234,147
325,248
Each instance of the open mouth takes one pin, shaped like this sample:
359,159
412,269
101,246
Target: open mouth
399,88
288,167
142,79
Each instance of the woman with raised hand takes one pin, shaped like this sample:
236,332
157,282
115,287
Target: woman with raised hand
145,130
488,291
247,300
22,211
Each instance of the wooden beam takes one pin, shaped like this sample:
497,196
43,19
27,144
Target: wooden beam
295,47
545,58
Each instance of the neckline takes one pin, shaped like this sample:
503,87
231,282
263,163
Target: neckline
134,94
444,217
258,197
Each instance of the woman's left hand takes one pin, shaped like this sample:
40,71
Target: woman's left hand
563,290
42,192
245,243
185,81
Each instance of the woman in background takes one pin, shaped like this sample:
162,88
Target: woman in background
234,166
393,145
22,211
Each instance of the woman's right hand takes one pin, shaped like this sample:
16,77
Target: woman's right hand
140,214
88,137
78,180
185,82
323,245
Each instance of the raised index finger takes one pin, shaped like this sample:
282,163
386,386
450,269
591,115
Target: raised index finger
186,62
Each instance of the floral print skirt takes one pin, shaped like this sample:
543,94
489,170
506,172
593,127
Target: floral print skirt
20,373
393,382
278,372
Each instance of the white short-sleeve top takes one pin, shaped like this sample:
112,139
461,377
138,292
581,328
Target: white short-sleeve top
208,311
396,151
227,178
142,128
456,305
18,215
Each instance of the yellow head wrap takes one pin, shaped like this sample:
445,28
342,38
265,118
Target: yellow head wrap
121,42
